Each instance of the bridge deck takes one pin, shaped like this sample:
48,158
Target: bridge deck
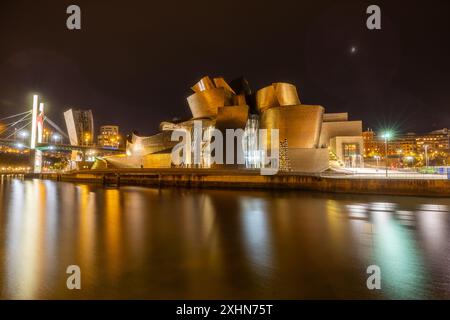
60,147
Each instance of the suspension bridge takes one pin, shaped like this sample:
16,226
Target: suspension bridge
27,130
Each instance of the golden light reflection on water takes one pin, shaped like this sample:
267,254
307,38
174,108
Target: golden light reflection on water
148,243
135,207
113,229
87,224
26,231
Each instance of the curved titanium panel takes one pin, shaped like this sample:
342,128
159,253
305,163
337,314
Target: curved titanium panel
276,95
221,83
205,83
168,126
266,98
239,100
300,124
146,145
286,94
205,104
234,117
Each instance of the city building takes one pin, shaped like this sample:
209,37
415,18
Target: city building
109,137
310,139
80,126
408,149
371,145
343,138
438,140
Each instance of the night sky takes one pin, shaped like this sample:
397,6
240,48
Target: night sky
133,62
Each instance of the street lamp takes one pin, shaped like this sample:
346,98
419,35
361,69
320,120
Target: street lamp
426,155
56,137
23,135
387,135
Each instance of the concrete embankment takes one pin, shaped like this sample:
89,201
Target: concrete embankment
197,178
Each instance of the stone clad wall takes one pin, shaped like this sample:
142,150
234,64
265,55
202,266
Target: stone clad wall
308,160
238,179
157,160
339,129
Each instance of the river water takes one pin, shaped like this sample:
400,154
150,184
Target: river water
144,243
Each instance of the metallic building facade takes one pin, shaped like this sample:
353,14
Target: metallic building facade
217,104
299,124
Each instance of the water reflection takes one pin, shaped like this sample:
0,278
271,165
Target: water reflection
148,243
257,237
398,257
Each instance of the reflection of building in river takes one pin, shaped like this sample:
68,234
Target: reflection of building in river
315,140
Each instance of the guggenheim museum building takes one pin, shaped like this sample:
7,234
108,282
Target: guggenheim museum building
311,140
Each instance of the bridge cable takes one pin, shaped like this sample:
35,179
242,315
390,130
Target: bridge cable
15,122
19,129
16,115
9,126
55,126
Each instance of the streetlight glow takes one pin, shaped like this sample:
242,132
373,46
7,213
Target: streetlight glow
56,137
387,135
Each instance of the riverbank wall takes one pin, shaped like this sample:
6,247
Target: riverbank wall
200,178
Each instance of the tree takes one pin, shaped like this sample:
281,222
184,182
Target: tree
285,164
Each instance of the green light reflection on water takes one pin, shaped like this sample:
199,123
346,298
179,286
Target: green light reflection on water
403,273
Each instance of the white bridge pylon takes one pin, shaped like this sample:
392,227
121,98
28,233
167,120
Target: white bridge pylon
37,131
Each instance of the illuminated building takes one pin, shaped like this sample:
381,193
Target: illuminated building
374,145
409,147
309,135
371,145
109,137
80,126
343,138
299,125
436,140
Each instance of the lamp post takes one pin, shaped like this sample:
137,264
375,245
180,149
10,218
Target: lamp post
426,155
386,137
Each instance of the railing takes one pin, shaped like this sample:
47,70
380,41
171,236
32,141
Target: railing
430,173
